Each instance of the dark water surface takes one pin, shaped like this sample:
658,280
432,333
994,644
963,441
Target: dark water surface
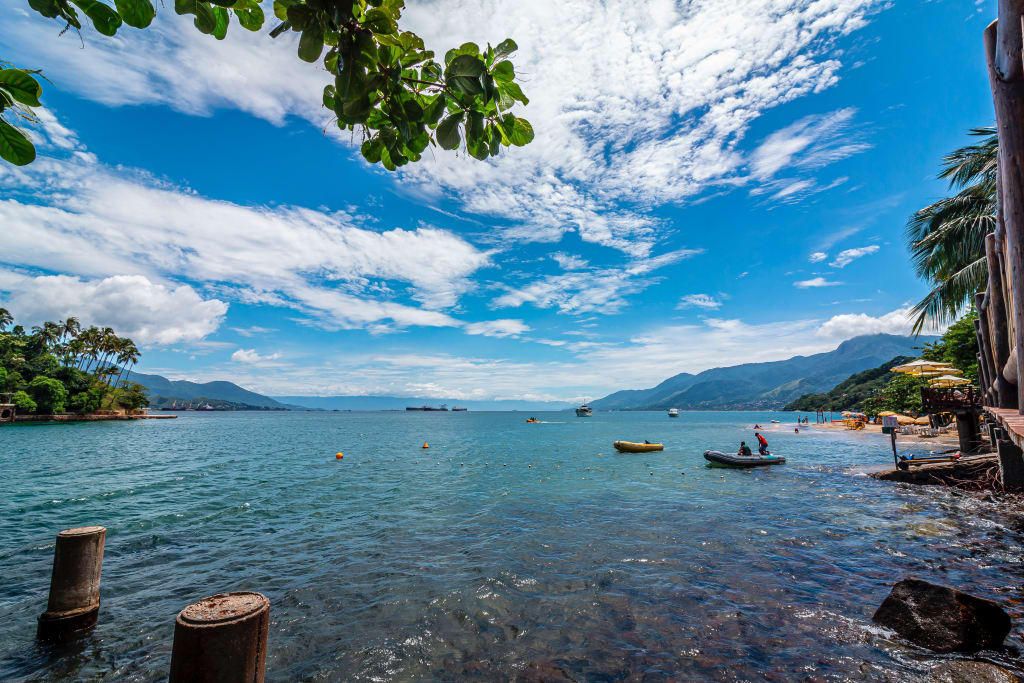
504,544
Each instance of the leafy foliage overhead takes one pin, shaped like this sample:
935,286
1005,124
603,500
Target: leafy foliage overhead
947,238
385,84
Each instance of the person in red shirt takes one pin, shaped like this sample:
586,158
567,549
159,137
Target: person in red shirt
762,444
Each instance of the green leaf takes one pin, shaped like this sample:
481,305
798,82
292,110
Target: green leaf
522,132
378,21
504,71
448,131
48,8
463,75
329,98
103,17
250,17
475,127
205,20
311,44
372,149
513,91
432,112
14,146
505,48
221,19
22,87
136,13
281,8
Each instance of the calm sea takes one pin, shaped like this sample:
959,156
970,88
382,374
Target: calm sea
505,544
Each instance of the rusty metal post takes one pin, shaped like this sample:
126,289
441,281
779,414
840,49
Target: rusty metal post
74,602
221,639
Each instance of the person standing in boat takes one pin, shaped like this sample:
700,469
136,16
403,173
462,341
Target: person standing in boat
762,444
744,449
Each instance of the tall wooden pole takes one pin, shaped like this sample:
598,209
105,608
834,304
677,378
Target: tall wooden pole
999,331
1006,76
981,329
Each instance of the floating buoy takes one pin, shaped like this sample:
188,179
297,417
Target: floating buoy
426,445
339,456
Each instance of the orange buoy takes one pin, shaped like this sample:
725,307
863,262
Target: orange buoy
339,456
426,445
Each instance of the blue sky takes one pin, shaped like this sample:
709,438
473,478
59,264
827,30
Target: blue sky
711,183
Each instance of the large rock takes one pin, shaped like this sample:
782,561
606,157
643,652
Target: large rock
972,672
943,619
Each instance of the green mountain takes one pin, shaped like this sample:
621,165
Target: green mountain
850,392
163,391
766,386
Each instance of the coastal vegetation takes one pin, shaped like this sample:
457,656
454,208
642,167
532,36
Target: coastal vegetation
61,367
947,238
878,389
385,85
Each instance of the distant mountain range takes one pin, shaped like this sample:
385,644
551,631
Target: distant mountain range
400,403
766,386
162,388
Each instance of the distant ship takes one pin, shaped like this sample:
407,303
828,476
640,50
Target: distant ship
584,411
673,412
456,409
430,409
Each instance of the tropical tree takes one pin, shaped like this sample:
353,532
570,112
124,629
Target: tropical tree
947,238
385,85
49,394
5,319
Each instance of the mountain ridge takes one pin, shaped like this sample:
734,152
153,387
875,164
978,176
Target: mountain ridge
765,386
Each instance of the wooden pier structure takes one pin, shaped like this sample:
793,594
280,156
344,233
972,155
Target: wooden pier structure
1000,324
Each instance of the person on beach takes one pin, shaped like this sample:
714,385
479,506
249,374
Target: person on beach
744,449
762,444
758,427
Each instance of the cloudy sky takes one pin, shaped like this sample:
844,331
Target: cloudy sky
712,182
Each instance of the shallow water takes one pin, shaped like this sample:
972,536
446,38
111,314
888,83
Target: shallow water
504,544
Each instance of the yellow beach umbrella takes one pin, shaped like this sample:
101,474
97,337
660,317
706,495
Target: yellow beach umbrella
922,421
948,381
905,419
886,413
921,368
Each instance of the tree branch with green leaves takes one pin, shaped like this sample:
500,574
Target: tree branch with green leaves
386,86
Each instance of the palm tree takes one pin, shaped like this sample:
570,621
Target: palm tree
69,328
5,319
947,238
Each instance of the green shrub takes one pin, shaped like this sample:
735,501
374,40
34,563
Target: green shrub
24,403
49,395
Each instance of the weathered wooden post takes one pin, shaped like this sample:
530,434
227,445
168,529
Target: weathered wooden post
983,377
221,639
74,601
1006,77
999,332
981,328
1011,465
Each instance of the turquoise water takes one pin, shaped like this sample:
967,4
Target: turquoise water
505,544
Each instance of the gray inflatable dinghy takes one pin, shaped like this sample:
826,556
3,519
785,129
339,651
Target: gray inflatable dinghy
732,460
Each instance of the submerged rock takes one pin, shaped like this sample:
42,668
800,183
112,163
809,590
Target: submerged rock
972,672
544,671
943,619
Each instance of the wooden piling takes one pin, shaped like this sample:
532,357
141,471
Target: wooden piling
1006,77
74,601
998,332
221,639
982,329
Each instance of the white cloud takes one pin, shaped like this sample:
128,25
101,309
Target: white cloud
815,282
700,301
569,261
899,321
148,312
76,216
601,290
250,356
817,257
634,104
498,328
253,330
848,256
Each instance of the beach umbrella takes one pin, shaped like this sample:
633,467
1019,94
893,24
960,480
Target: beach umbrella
905,419
886,413
921,368
922,421
948,381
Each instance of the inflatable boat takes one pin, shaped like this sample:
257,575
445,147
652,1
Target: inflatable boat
630,447
733,460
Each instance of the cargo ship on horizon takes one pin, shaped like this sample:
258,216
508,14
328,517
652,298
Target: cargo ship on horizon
429,409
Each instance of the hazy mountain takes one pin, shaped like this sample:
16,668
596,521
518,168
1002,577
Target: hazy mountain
766,385
182,389
400,403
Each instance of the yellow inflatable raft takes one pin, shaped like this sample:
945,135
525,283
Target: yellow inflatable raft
630,447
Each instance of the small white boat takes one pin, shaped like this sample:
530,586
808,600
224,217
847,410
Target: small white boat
673,412
775,422
584,411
